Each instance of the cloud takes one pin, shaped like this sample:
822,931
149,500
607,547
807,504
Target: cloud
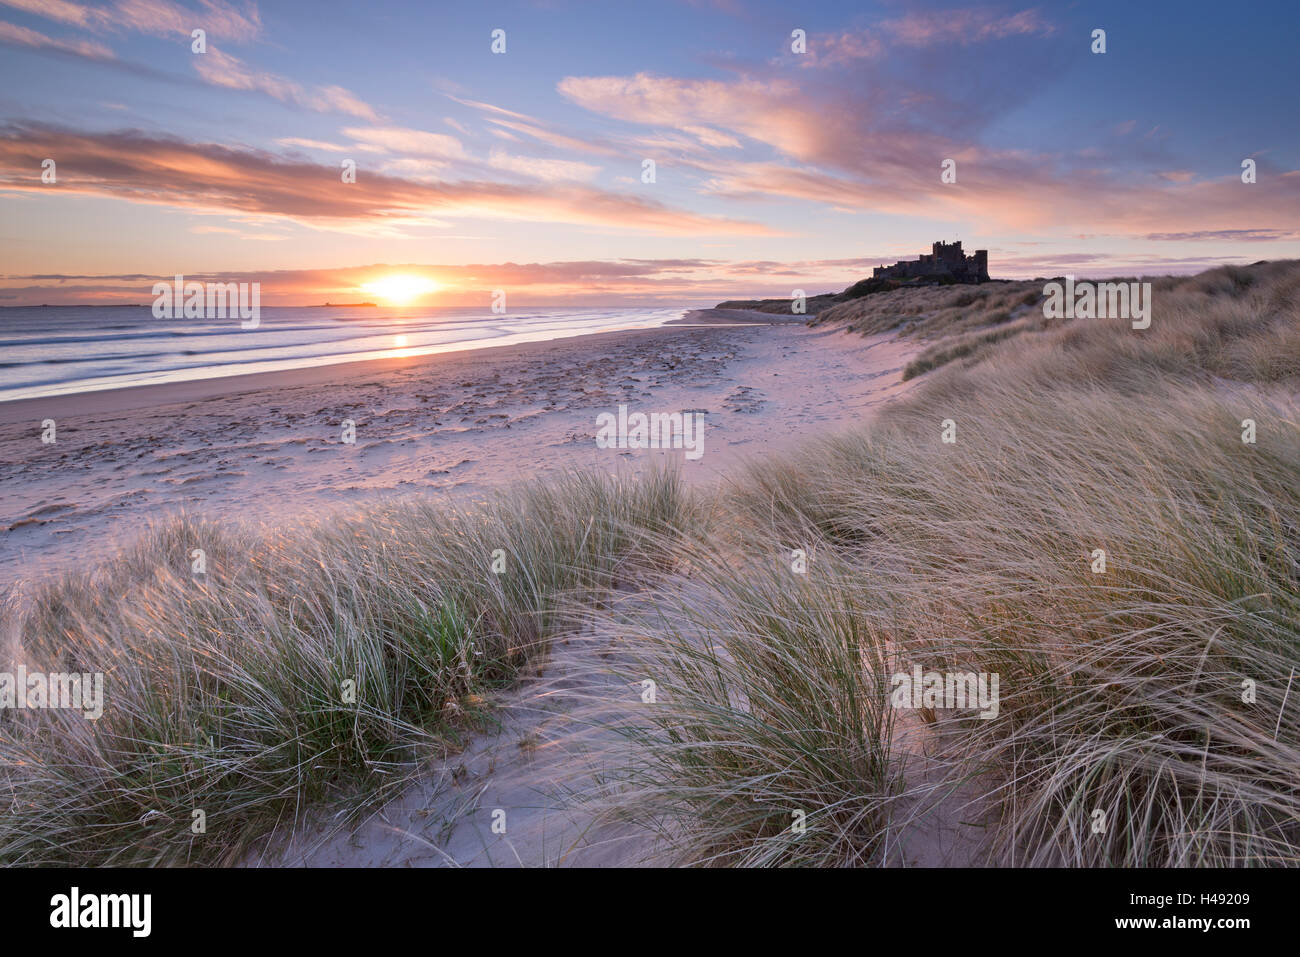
920,30
528,126
335,99
155,17
222,69
260,236
138,167
162,18
964,27
417,169
890,102
14,35
775,112
544,169
61,11
397,139
311,144
1232,235
669,101
711,137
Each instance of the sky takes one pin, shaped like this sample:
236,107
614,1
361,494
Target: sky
776,165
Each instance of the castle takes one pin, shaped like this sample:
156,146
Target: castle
946,260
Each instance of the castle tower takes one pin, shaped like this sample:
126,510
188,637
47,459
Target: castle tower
949,253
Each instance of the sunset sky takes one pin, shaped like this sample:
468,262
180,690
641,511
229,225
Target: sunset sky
523,171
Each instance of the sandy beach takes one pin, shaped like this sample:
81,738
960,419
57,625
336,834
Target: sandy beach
458,424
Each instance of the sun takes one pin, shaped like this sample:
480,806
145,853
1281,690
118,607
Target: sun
399,289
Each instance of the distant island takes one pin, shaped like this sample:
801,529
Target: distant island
347,305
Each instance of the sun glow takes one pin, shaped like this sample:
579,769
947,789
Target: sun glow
398,290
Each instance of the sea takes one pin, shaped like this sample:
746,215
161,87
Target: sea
59,350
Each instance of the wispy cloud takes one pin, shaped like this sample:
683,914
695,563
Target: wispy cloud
964,27
222,69
537,130
1235,235
155,17
397,139
546,169
310,144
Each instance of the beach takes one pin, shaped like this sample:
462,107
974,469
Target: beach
270,446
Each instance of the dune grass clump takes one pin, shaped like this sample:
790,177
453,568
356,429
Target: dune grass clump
769,742
318,662
969,345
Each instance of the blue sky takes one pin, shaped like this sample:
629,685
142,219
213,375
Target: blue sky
774,169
